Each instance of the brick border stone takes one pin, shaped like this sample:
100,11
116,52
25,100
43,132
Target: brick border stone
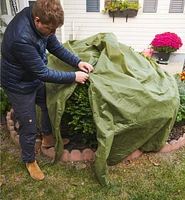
86,154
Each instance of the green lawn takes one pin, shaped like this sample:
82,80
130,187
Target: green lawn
150,177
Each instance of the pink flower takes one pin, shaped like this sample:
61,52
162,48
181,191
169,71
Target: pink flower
166,42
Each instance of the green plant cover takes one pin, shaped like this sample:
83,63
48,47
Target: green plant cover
134,101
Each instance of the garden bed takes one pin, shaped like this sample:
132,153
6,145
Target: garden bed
75,151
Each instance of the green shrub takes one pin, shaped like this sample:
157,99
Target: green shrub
78,115
181,111
4,102
181,88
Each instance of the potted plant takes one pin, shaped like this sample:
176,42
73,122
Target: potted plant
166,43
122,8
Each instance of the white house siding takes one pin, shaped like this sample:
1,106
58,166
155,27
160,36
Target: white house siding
137,32
59,34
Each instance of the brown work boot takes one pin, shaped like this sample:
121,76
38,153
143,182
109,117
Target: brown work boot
35,171
47,141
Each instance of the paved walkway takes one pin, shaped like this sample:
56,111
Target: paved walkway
172,67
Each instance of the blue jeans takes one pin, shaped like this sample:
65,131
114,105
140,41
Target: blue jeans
24,106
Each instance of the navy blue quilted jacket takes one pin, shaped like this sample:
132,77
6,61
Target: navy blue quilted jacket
24,60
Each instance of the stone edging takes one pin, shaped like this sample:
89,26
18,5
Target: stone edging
86,154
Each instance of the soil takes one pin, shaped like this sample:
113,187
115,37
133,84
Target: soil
177,131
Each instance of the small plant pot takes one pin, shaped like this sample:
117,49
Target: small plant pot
163,58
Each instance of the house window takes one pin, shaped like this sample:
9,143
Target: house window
93,5
176,6
150,6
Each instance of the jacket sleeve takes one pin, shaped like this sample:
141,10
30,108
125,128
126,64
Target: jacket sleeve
33,63
55,48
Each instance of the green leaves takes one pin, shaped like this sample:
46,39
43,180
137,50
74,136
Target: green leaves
181,111
121,5
79,114
4,102
181,88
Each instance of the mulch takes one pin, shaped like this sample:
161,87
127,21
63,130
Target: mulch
177,131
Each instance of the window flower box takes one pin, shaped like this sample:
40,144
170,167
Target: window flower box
124,13
122,8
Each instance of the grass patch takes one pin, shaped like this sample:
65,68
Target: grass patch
152,176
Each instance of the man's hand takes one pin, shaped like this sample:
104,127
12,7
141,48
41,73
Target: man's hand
81,77
86,67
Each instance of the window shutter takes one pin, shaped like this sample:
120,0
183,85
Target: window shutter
176,6
93,5
31,3
150,6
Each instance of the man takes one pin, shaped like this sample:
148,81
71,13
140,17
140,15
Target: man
24,72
